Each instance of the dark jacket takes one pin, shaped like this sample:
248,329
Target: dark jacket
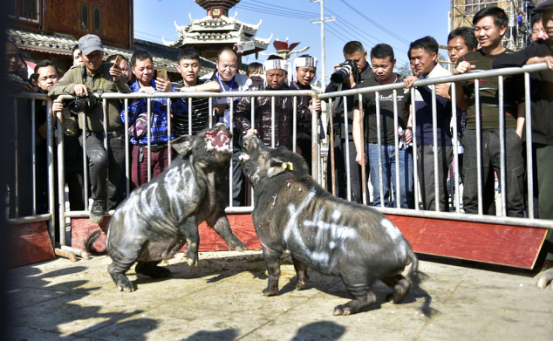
338,106
95,118
284,112
541,87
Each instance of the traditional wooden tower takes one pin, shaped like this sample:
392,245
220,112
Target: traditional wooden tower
217,30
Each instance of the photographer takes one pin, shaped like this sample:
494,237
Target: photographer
94,77
355,70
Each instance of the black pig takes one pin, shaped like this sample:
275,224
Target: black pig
322,232
155,221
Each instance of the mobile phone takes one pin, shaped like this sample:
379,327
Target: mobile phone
162,74
117,61
33,77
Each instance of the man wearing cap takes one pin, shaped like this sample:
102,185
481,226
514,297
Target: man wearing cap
95,77
304,72
276,70
541,84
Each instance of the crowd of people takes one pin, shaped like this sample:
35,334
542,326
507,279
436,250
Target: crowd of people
476,48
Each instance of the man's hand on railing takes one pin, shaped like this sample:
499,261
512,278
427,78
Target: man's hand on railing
442,90
163,85
537,60
317,106
57,106
147,90
81,90
409,80
463,67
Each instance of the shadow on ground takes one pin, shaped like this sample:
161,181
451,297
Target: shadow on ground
24,314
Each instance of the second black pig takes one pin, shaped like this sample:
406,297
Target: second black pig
323,232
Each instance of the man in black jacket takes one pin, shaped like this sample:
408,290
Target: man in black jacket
542,114
353,51
275,79
304,71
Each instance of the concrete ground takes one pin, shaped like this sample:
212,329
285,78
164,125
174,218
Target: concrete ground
221,300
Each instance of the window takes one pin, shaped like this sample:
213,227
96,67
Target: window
24,10
84,16
10,8
97,19
28,10
91,17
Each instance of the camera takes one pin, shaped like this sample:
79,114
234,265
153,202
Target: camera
347,67
84,104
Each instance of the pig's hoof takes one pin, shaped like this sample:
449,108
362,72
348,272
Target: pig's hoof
125,285
269,292
237,245
542,282
544,278
342,310
192,262
301,284
241,248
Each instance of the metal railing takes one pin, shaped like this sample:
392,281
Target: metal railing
457,215
212,118
15,196
315,147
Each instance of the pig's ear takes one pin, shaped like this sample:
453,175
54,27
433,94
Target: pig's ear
277,166
183,145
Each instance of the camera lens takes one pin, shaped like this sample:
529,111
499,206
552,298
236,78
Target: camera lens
77,106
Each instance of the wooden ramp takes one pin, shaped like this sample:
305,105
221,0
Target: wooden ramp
514,246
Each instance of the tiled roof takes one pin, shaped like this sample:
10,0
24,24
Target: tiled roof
164,56
223,30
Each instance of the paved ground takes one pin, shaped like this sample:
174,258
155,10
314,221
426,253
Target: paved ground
221,300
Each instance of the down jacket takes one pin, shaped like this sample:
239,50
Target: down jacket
284,112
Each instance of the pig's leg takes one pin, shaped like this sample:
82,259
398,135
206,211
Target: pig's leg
301,271
400,285
361,292
189,229
220,224
151,269
544,278
272,262
122,261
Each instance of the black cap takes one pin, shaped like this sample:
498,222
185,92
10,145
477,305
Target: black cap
547,5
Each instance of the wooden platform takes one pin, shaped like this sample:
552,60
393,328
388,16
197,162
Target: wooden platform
514,246
29,243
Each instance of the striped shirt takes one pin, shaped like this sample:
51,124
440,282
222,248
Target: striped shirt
158,115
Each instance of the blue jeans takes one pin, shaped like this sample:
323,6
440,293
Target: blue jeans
389,175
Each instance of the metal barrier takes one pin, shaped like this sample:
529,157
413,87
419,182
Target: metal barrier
416,212
176,95
15,197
